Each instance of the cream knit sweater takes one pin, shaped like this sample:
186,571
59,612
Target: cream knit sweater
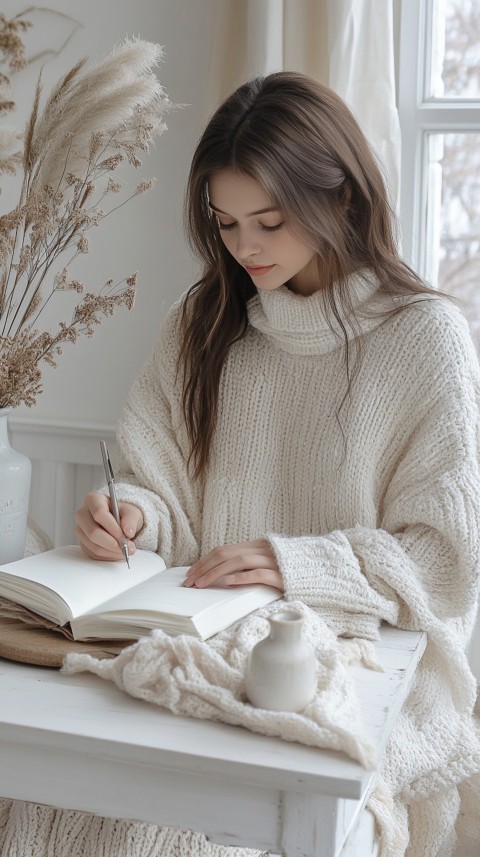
372,506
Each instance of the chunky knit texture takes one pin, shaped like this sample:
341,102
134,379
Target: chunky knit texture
34,830
207,680
370,501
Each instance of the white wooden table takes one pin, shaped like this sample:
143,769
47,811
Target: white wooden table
77,742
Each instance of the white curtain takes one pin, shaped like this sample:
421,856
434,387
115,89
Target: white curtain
346,45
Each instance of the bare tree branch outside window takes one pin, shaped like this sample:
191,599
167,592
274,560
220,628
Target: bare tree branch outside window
459,269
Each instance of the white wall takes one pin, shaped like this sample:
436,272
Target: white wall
93,377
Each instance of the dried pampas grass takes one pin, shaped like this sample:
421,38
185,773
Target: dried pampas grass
94,120
119,91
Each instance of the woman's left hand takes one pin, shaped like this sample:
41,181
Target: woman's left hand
235,565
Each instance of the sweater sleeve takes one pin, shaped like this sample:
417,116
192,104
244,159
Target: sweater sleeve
153,450
419,568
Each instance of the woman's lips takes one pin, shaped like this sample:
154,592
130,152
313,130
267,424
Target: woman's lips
258,270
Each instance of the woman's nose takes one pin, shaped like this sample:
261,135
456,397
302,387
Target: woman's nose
247,245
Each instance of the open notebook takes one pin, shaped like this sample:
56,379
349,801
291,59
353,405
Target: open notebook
107,601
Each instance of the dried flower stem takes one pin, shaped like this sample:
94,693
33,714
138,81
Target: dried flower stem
93,122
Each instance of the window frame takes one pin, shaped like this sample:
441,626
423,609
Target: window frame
421,115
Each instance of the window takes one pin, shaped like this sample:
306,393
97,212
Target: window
439,105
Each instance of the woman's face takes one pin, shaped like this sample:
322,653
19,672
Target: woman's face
258,237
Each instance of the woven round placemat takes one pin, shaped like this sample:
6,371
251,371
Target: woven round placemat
40,646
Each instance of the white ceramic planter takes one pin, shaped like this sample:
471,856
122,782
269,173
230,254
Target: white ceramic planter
15,475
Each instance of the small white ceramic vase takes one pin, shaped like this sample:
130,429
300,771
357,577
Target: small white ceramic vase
15,474
282,669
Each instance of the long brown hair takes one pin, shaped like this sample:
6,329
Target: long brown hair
302,144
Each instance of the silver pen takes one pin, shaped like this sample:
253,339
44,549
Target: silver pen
113,496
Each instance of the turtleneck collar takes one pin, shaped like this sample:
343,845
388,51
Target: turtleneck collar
298,324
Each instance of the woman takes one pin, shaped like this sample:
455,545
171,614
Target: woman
309,420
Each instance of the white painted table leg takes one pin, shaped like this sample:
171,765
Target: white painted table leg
318,826
309,825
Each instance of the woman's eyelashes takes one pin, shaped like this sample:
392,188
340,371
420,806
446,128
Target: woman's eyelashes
228,226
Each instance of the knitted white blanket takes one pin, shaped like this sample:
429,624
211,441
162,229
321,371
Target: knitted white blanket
206,680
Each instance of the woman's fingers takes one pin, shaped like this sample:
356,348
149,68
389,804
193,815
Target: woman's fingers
239,552
265,576
96,526
131,519
97,530
235,565
95,552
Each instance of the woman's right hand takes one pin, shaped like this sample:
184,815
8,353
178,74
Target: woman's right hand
98,532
